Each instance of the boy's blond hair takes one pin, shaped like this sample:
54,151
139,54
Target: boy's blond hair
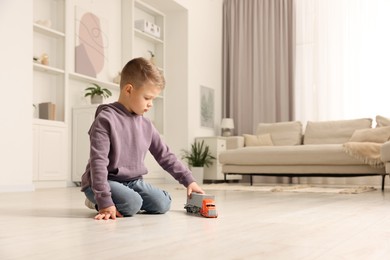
138,71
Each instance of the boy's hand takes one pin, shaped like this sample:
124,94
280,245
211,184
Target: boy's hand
194,187
108,213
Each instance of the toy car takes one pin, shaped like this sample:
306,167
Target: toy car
202,204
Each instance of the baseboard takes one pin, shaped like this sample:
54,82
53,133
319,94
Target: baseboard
220,181
50,184
17,188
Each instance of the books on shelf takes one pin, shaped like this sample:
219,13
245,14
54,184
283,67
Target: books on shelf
47,110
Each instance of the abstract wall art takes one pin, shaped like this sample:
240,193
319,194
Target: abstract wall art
91,43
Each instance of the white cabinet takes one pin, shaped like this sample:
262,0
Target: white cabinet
82,118
50,153
214,173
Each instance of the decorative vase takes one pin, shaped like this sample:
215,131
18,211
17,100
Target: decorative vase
198,173
96,99
153,60
117,79
44,59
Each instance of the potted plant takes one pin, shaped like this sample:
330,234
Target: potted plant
97,93
197,158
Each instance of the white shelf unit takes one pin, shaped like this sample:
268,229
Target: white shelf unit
136,43
143,42
49,80
49,85
56,82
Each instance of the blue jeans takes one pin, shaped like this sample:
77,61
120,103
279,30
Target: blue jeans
133,196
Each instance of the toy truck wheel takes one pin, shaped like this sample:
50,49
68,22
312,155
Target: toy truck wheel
192,209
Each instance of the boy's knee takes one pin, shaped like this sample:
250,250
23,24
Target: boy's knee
129,209
162,206
165,208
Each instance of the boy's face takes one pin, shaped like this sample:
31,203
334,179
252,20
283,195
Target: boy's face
139,100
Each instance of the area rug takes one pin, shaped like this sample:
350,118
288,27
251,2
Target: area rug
289,188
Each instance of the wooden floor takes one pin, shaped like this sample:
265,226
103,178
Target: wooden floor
55,224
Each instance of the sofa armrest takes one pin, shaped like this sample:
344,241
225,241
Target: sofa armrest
385,156
234,142
385,152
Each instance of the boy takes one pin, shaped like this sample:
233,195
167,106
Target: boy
120,137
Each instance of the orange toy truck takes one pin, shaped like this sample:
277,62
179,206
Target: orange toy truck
202,204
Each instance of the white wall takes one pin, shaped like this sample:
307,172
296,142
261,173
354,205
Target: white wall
204,61
194,39
177,105
16,105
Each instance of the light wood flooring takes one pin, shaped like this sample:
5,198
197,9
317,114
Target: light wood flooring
55,224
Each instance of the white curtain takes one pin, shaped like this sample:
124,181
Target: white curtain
342,57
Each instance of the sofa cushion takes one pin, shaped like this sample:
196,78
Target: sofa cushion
376,135
282,133
324,154
258,140
382,121
333,132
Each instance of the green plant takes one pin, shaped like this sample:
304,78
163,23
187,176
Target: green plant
97,90
199,155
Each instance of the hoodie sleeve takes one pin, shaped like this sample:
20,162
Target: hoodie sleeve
168,160
100,146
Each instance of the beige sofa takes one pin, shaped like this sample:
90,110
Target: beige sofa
340,148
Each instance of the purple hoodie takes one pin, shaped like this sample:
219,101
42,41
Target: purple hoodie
119,143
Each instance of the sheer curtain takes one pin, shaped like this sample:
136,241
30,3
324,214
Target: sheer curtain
342,56
258,61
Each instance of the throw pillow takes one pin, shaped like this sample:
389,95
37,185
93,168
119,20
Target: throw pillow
374,135
334,131
258,140
283,133
382,121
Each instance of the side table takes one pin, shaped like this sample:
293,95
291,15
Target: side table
213,173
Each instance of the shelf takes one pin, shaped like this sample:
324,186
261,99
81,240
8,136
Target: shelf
48,69
142,44
46,122
50,42
147,37
147,8
48,31
87,79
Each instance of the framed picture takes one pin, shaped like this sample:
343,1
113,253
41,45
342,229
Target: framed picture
206,107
